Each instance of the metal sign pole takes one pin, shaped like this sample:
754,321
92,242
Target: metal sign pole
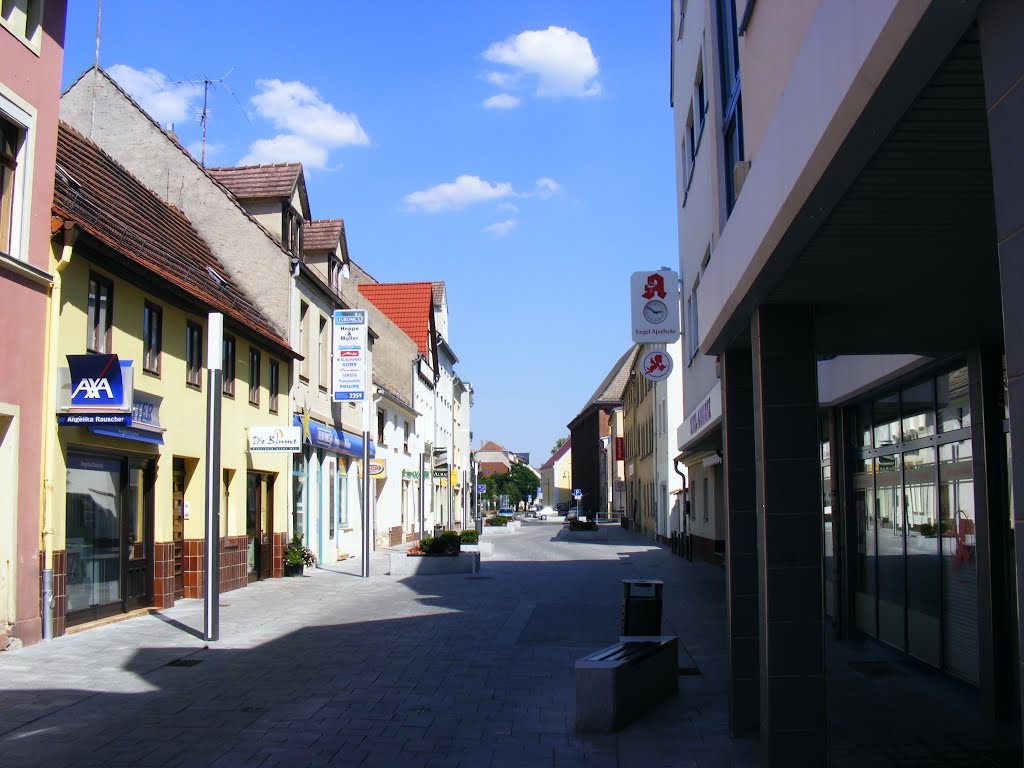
211,593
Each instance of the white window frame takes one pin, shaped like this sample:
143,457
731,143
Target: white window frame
18,19
23,116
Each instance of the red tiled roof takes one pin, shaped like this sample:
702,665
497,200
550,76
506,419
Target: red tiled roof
116,209
254,182
407,305
490,445
321,235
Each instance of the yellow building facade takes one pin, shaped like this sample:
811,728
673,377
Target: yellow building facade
126,502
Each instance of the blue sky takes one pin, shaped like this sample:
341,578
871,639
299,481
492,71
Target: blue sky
520,151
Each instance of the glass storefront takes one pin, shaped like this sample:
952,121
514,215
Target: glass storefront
93,532
916,572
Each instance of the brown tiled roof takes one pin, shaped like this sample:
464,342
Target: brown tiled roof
490,445
322,234
437,292
407,305
258,182
609,392
115,208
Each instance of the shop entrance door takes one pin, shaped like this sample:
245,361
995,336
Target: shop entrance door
137,538
178,526
259,525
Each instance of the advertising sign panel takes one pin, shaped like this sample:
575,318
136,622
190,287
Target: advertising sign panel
654,306
350,355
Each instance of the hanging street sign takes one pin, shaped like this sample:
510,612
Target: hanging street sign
656,365
350,355
654,306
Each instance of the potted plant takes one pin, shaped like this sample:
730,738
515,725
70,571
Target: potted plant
297,556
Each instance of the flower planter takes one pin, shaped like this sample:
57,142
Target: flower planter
293,570
434,565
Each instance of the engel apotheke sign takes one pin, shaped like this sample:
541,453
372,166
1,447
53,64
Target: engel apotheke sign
654,306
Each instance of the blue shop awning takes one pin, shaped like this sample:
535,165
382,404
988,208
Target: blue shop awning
321,436
128,433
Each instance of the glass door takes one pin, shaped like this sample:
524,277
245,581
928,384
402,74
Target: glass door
891,550
136,537
93,518
253,520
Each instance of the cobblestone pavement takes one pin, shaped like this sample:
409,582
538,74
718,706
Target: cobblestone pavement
472,671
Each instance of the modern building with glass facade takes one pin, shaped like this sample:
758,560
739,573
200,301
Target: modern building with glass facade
852,258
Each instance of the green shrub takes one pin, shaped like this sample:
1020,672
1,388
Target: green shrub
582,525
447,543
470,536
496,520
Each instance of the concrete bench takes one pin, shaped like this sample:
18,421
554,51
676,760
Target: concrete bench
616,685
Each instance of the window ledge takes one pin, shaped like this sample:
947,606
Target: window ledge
26,270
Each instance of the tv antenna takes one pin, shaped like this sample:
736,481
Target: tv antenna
203,115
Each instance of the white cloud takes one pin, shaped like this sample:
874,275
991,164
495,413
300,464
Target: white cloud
501,228
298,109
561,59
547,188
502,101
455,195
507,206
164,101
213,151
309,126
501,79
286,148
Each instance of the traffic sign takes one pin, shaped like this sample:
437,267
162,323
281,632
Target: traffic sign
577,493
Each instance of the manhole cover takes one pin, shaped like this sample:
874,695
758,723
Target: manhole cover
876,669
184,663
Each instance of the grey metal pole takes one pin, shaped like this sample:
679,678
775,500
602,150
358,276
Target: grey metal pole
423,493
211,593
366,504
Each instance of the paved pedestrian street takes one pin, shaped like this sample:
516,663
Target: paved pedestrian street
332,669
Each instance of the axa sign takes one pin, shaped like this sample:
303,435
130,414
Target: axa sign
96,382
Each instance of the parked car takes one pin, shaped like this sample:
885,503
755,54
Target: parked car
545,512
507,512
572,514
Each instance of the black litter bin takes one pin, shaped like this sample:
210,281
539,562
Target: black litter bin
641,607
438,530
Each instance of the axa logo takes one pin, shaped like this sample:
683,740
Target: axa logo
93,389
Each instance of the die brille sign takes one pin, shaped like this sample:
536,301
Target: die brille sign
654,306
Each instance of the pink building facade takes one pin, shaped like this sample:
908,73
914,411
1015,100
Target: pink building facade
31,54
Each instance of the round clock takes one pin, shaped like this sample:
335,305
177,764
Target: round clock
655,311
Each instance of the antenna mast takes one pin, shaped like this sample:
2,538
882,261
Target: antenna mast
203,115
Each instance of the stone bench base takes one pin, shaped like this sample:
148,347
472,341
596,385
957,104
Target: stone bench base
434,565
618,684
499,530
485,548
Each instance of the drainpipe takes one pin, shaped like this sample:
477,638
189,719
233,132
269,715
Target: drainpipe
687,553
50,442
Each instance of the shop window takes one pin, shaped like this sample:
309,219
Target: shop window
254,377
380,427
193,355
228,365
152,338
954,407
274,384
101,314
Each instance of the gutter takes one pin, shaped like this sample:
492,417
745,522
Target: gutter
50,438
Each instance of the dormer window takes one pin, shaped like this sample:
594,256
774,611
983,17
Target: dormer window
291,231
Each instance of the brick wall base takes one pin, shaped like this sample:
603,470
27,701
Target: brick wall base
163,574
234,556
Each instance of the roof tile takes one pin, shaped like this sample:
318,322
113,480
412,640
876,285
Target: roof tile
407,305
255,182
